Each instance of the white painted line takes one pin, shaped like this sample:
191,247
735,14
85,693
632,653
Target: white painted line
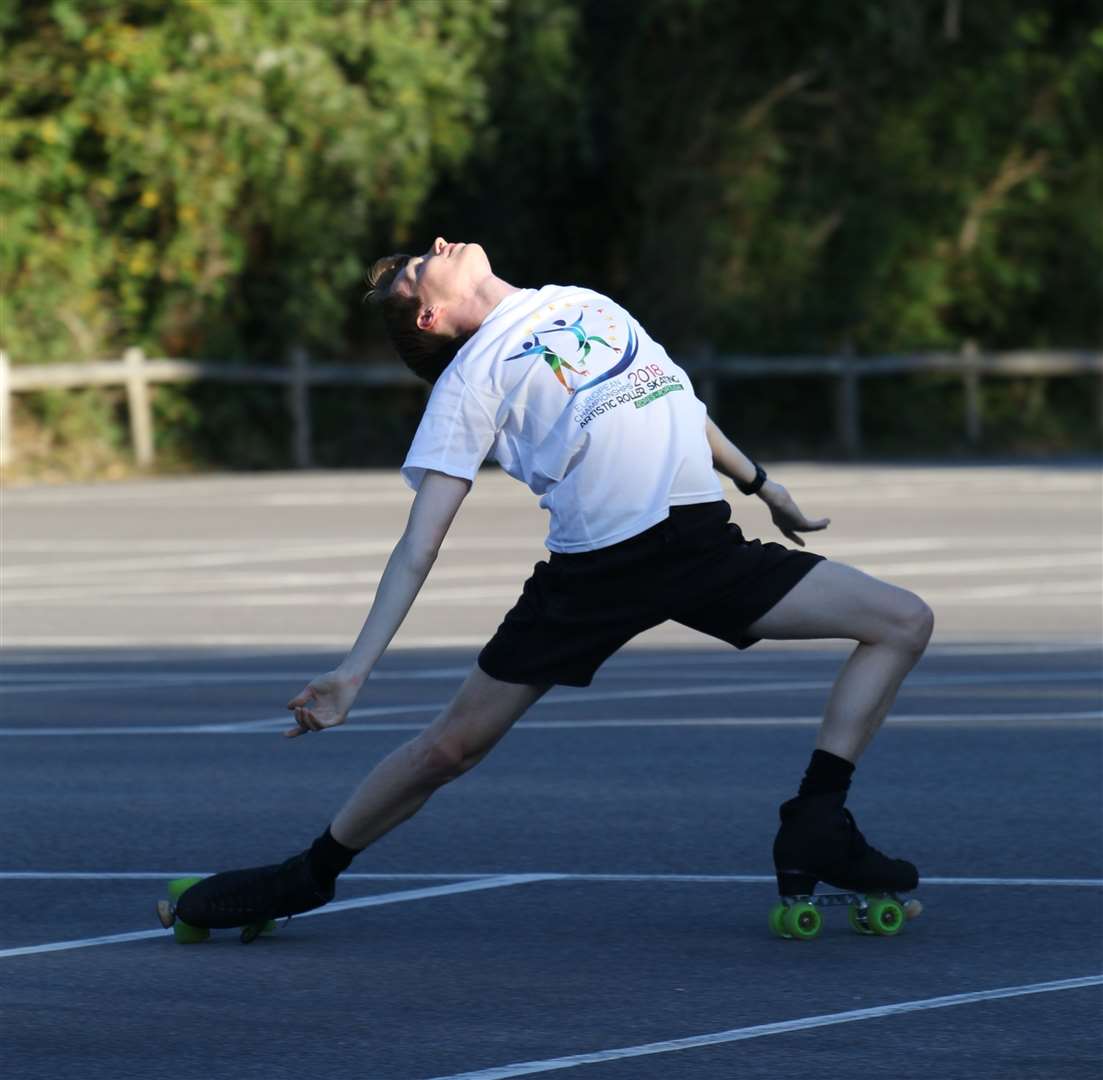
680,654
222,585
478,885
1062,561
168,875
57,682
839,547
306,551
24,684
402,897
551,875
209,594
295,642
1058,593
757,1031
81,943
268,727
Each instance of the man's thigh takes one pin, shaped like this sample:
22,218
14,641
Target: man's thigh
834,600
483,710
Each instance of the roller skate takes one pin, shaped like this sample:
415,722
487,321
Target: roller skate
251,899
819,841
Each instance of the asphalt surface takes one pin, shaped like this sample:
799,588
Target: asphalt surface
592,899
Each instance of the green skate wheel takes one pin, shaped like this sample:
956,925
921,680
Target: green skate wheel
254,930
189,935
777,920
856,923
803,921
179,886
886,916
181,931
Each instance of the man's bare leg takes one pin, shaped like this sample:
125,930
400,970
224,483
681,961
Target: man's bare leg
892,627
818,839
467,730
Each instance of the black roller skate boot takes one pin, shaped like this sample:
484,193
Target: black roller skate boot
252,899
820,841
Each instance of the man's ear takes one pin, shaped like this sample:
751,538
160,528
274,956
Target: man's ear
427,318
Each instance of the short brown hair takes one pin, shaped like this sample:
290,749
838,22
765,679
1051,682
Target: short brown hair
426,354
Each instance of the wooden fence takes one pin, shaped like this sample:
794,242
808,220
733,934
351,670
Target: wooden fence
137,373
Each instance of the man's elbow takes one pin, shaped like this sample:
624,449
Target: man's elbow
418,553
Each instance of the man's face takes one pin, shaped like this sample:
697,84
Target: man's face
445,275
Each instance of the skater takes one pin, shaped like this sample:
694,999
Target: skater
569,394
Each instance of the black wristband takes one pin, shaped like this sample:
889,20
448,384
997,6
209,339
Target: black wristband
755,485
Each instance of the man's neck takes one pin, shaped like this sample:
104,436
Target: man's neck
488,294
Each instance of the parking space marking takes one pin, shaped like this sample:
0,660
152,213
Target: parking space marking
270,727
757,1031
406,895
550,875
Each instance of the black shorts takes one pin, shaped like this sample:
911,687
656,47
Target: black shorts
695,568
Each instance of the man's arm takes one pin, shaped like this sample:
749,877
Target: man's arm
727,458
434,508
326,700
730,461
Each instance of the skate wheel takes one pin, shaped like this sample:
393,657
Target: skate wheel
886,916
189,935
179,886
803,921
254,930
857,923
777,921
181,931
913,909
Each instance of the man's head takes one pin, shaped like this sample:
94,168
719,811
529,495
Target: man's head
430,303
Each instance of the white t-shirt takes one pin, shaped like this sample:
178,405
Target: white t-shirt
566,391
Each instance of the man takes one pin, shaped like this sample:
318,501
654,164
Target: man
568,393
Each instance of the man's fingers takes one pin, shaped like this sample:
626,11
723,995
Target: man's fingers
302,698
305,723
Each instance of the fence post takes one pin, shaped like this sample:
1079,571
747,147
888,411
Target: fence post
1101,403
704,377
848,409
974,404
5,410
138,406
298,402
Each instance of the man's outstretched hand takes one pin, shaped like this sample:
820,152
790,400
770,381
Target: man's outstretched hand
786,514
323,703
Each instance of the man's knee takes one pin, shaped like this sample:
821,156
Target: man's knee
912,621
439,757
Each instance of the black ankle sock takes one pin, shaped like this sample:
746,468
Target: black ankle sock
826,774
328,858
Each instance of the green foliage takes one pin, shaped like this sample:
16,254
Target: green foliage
211,178
201,178
860,172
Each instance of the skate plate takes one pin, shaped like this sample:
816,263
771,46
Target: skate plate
193,935
880,914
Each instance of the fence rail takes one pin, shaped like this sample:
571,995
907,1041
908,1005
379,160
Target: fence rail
135,372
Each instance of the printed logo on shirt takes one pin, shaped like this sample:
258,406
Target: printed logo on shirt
640,386
561,358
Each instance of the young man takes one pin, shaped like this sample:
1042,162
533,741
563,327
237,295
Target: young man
568,393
